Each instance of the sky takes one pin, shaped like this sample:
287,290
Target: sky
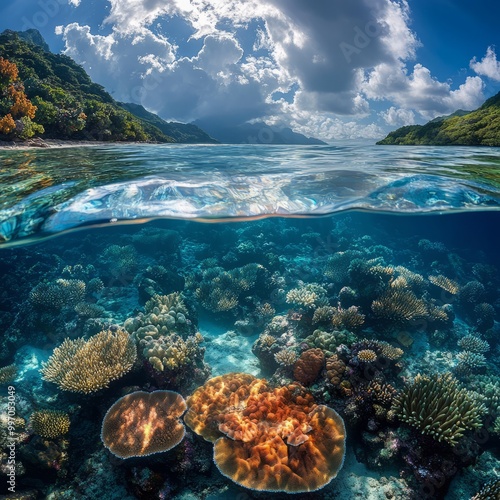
330,69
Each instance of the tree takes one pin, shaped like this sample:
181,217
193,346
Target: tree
16,110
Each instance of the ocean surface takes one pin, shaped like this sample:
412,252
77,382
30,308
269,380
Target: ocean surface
250,321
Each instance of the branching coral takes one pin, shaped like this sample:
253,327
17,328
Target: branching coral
490,491
50,423
399,306
445,283
437,406
8,374
268,439
89,365
309,296
473,344
143,423
349,319
219,290
56,295
286,357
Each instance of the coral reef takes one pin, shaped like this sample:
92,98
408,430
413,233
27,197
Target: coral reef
8,374
399,307
89,365
309,296
268,439
309,365
437,406
49,423
490,491
143,423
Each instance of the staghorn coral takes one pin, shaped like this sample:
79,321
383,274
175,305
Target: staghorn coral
56,295
120,261
347,296
89,365
470,361
490,491
8,374
484,315
286,357
473,344
310,296
86,310
399,306
323,314
445,283
268,439
219,290
408,279
309,366
50,423
144,423
337,266
348,319
438,407
335,368
163,315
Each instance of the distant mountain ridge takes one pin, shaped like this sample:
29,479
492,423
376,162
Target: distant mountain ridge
69,105
462,128
255,133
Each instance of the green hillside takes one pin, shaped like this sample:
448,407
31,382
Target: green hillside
181,132
476,128
68,104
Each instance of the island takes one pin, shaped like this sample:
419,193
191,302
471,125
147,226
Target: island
462,128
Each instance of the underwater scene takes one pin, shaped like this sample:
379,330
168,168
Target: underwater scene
250,322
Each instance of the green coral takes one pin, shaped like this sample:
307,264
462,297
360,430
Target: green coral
437,406
329,341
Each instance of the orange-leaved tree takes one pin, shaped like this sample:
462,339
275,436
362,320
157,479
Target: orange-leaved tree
16,110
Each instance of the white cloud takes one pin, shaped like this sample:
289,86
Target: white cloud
488,66
397,117
420,92
75,3
332,56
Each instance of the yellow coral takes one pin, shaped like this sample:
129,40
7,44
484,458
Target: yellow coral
89,365
49,423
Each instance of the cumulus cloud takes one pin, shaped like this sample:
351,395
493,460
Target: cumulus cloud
397,117
488,65
421,92
331,58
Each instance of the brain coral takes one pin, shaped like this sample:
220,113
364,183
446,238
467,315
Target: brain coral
89,365
143,423
309,366
272,440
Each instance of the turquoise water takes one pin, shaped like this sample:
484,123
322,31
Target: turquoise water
331,276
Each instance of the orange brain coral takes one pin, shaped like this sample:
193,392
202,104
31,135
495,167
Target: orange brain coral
143,423
218,393
277,439
309,366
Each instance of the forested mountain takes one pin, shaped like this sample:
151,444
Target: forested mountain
475,128
49,95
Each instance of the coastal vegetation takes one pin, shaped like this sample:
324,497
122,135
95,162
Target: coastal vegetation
49,95
476,128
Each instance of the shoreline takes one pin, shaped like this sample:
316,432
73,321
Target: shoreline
38,143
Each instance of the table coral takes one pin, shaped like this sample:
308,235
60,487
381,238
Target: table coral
268,439
143,423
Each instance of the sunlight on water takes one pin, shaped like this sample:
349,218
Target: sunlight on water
49,191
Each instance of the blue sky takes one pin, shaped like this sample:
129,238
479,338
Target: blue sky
329,68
